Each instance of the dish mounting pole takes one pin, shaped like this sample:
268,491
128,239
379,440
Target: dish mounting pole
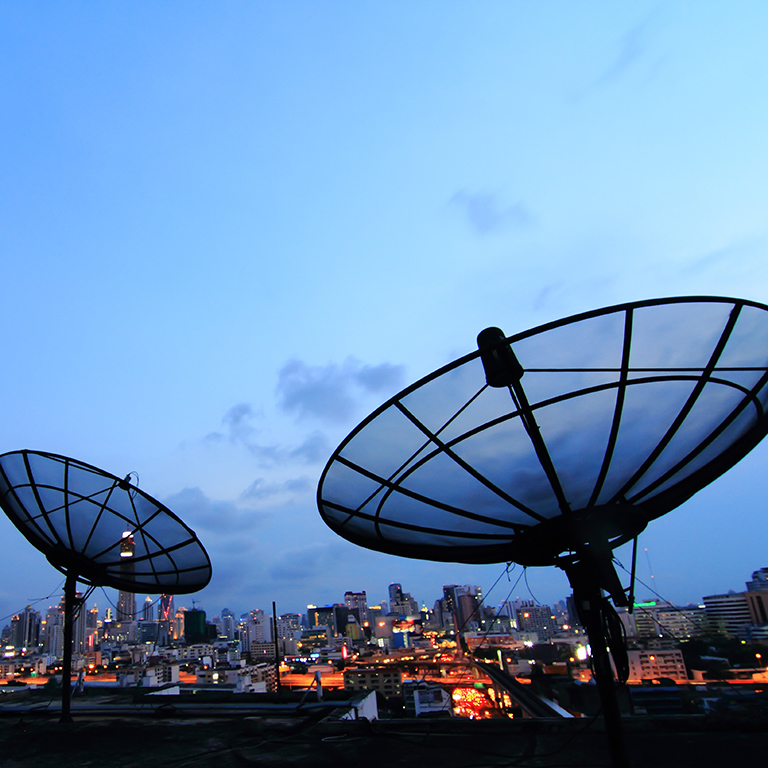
591,605
70,600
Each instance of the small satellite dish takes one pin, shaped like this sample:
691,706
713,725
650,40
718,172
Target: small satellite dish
555,445
98,529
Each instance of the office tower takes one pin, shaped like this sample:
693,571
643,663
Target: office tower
148,609
195,628
759,581
178,623
166,612
321,616
227,624
126,601
358,601
464,603
53,631
288,629
728,614
25,629
401,603
536,618
254,628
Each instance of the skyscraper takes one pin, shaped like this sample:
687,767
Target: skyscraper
25,628
536,618
358,601
126,601
464,603
401,603
228,624
165,612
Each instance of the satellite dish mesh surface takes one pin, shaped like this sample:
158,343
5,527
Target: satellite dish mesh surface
98,527
600,423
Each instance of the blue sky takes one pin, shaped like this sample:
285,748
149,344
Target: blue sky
230,230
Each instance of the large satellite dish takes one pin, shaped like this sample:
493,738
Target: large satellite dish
555,445
98,529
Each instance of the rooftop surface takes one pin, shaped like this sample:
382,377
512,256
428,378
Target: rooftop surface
171,737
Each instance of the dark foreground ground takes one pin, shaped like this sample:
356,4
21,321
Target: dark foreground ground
39,741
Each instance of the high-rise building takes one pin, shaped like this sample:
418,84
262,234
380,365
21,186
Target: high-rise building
536,618
464,603
759,581
165,612
321,616
288,631
657,618
25,628
178,623
728,613
53,631
228,625
255,627
126,601
358,601
401,603
195,627
148,609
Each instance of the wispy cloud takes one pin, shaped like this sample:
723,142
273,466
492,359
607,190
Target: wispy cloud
261,490
238,428
485,213
331,392
314,449
633,46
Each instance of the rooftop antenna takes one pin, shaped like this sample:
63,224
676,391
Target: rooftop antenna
558,444
100,530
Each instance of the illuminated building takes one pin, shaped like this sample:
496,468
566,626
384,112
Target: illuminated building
148,609
312,639
261,652
388,682
178,623
228,624
166,612
464,604
288,627
728,613
425,698
358,601
536,618
52,632
126,601
654,664
255,627
401,603
656,618
25,628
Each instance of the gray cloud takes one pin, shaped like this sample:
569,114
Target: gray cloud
331,392
485,214
211,516
239,430
261,490
308,564
313,450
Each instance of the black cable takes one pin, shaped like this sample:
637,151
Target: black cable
530,591
35,602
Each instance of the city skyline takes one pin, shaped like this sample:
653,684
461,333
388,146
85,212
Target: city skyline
643,593
231,233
